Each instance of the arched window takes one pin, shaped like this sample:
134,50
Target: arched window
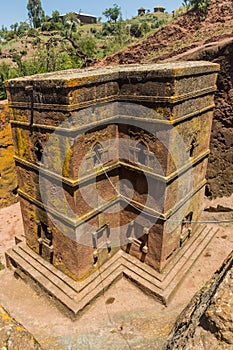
186,228
142,153
192,147
97,150
45,240
38,151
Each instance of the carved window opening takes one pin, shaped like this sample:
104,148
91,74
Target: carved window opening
186,228
97,150
192,147
45,240
15,191
142,153
101,240
38,151
138,236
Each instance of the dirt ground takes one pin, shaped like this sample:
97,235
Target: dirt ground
123,317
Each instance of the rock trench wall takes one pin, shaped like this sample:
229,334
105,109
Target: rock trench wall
203,313
8,180
220,168
220,165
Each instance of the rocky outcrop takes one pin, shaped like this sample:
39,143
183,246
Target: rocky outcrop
14,336
215,330
8,180
218,318
207,322
204,340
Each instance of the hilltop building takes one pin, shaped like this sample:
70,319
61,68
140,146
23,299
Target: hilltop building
141,11
81,18
159,9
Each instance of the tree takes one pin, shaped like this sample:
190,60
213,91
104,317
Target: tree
23,28
112,13
4,75
14,27
56,16
35,12
135,30
202,5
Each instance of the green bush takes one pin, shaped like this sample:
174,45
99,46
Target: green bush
46,26
32,32
108,29
36,41
9,35
135,30
202,5
145,28
88,45
23,52
93,30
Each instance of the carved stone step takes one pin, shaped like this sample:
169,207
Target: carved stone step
75,296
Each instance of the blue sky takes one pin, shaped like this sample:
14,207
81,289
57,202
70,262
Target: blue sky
12,11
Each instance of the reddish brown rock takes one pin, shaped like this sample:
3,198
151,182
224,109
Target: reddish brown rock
8,180
219,315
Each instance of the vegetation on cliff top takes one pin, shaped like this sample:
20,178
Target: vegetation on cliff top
57,43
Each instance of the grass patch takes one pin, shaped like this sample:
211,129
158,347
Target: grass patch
2,267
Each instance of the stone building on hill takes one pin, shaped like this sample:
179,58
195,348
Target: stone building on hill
81,18
159,9
141,11
111,167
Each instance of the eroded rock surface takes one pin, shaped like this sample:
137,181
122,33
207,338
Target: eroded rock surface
215,331
219,316
13,336
204,340
207,322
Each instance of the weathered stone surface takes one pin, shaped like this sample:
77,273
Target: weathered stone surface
215,330
207,321
219,315
220,165
8,180
204,340
14,336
